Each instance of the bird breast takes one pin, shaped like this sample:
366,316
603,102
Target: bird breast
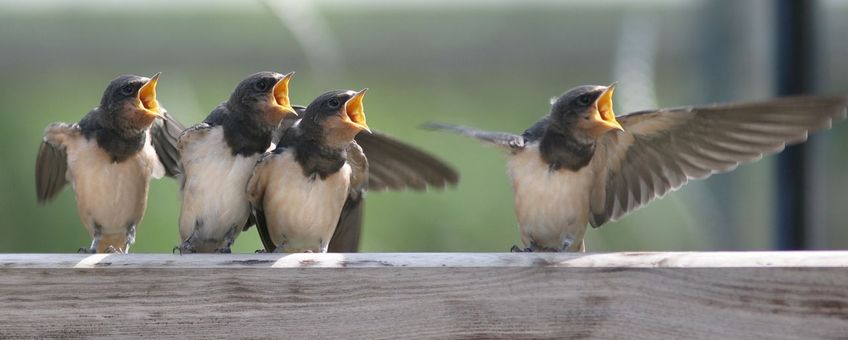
302,212
550,205
214,186
112,194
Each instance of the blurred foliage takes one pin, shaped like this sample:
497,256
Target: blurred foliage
493,69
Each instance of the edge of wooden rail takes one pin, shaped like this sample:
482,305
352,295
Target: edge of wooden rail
795,259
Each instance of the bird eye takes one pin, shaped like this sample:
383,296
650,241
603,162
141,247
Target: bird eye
334,103
584,100
262,86
127,89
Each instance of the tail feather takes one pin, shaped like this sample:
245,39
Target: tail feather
500,139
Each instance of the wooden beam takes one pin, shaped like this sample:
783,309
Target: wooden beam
438,295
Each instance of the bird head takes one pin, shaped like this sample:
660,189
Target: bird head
265,95
586,109
130,101
338,115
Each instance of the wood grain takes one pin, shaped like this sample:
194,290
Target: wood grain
415,296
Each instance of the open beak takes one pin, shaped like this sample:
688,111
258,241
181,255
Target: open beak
281,93
604,119
147,96
354,111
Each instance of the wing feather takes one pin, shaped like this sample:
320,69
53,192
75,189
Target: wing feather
661,150
165,134
394,165
51,164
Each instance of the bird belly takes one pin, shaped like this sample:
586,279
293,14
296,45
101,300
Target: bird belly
302,212
551,206
111,197
214,200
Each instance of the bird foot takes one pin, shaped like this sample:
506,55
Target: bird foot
225,250
566,244
516,249
260,251
84,250
113,250
184,248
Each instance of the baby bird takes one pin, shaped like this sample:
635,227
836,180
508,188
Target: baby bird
218,156
298,191
109,158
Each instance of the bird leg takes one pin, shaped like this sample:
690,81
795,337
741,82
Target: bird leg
187,246
229,238
95,241
279,248
569,240
129,240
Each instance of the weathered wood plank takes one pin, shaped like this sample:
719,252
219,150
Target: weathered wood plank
440,295
813,259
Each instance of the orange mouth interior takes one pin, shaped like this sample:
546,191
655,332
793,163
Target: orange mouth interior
605,111
355,111
281,92
147,96
604,105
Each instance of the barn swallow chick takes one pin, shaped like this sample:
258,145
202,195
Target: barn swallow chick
109,158
299,190
580,164
391,165
218,156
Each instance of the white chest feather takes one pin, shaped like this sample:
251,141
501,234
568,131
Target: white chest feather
113,195
214,186
550,205
302,212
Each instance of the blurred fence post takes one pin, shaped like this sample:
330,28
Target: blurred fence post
795,54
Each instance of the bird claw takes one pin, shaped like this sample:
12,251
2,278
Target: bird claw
225,250
516,249
260,251
184,248
84,250
113,250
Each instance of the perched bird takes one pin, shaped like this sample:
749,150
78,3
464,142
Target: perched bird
581,165
109,158
299,190
218,156
390,165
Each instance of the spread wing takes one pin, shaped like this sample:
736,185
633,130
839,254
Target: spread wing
51,164
661,150
394,165
348,230
164,136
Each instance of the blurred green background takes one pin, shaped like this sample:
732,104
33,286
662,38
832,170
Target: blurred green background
492,65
